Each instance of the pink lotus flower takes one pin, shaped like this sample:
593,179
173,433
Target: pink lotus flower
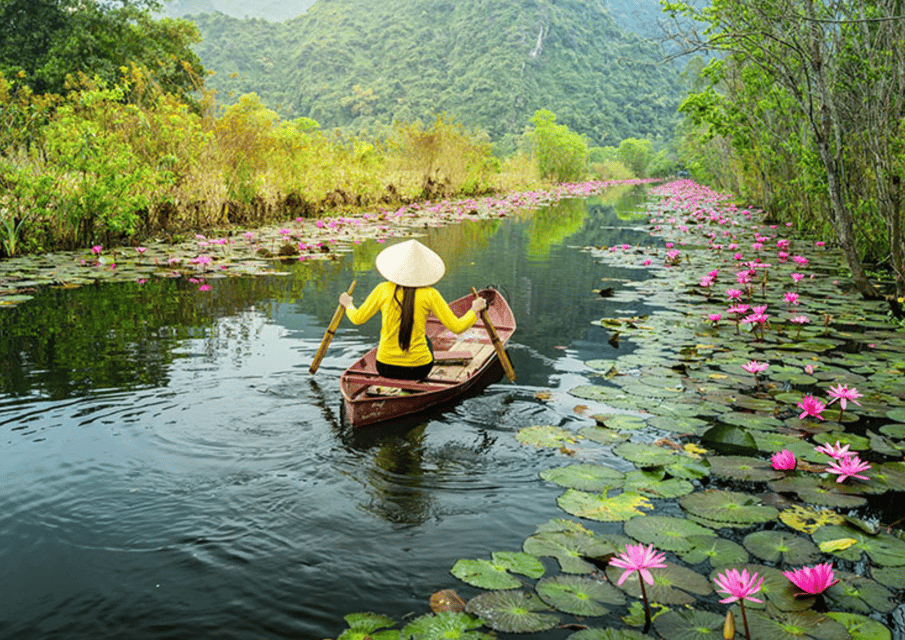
791,298
812,580
738,585
637,557
755,367
848,467
811,406
836,451
734,294
714,317
797,277
842,393
783,460
96,249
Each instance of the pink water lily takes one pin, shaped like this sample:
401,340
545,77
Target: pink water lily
783,460
843,394
812,580
738,585
637,557
754,367
848,467
811,406
836,451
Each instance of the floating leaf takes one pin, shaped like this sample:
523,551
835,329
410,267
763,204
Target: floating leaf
779,546
729,440
587,477
644,455
665,532
519,562
672,584
718,508
720,551
364,626
860,594
861,627
672,488
546,436
808,520
512,611
597,506
687,467
602,435
883,548
690,624
744,468
890,576
831,546
484,574
446,600
821,491
567,546
801,625
578,595
608,634
890,474
447,624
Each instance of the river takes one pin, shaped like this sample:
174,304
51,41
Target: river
170,469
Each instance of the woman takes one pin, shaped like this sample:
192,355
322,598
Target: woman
404,302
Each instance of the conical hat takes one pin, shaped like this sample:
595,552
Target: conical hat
410,264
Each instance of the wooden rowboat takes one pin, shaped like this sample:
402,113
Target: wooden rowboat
461,363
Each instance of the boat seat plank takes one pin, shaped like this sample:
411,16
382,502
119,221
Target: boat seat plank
412,385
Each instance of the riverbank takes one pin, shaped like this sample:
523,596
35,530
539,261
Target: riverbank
249,252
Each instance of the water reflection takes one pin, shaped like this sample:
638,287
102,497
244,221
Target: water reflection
169,463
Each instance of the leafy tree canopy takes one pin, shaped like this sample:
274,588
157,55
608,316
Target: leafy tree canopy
44,41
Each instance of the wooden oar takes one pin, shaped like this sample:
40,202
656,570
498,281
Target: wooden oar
497,345
331,331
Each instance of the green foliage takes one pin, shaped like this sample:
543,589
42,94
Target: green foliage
561,154
636,155
46,41
362,64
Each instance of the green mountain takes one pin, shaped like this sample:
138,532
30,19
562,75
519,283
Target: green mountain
360,64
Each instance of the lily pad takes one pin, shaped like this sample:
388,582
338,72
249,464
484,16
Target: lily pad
620,421
882,548
672,584
779,546
364,626
602,435
578,595
690,624
718,508
807,519
512,611
484,574
446,624
890,576
666,533
821,491
891,475
729,440
586,477
608,634
861,627
546,436
744,468
897,414
861,594
797,625
569,545
597,506
644,455
720,551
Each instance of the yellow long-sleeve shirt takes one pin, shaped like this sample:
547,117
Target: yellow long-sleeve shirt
427,299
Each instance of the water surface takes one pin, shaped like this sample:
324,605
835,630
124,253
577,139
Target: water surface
171,470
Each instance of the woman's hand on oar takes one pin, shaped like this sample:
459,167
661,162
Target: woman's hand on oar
331,331
495,339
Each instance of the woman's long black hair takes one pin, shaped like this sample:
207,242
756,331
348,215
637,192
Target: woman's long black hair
407,315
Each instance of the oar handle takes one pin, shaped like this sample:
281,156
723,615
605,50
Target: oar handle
495,340
331,331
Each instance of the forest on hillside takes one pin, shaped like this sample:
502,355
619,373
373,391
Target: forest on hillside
360,65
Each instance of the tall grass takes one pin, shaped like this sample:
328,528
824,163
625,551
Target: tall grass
124,164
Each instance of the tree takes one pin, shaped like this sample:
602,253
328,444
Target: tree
814,62
562,155
636,155
43,42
